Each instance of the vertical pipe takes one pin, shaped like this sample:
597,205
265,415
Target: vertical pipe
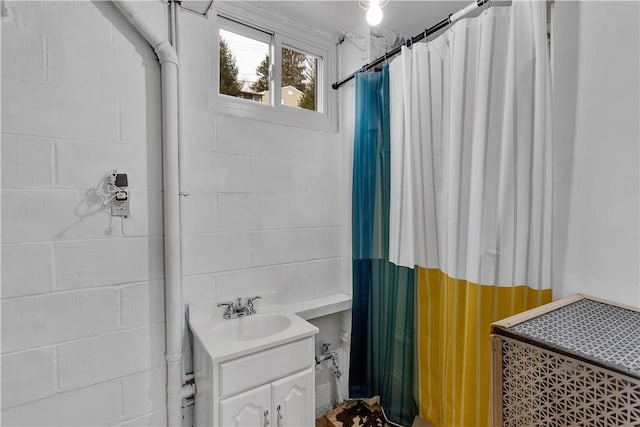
172,271
171,209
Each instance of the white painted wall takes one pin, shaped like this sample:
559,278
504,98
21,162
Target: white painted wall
266,210
82,293
265,213
597,157
82,300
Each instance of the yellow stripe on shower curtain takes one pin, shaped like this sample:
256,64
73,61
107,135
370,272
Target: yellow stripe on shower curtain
454,318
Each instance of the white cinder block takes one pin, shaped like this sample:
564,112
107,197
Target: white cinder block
314,210
28,375
38,215
242,136
196,36
237,212
106,262
99,405
54,318
197,289
84,165
73,22
284,246
269,283
124,37
142,304
238,135
217,172
141,110
154,419
318,147
26,269
316,178
198,130
144,393
106,357
272,211
195,88
104,70
26,161
314,279
200,211
271,175
60,113
22,54
209,253
242,212
146,214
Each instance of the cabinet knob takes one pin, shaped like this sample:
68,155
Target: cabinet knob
266,418
280,416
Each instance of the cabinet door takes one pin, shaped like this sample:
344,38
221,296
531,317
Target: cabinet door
248,409
294,400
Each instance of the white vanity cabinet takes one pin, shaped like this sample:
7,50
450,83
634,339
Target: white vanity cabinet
251,408
288,402
267,381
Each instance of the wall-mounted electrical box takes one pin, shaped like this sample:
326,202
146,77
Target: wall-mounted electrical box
119,194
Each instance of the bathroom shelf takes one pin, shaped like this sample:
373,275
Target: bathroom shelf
321,306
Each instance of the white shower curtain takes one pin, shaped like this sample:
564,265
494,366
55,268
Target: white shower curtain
471,193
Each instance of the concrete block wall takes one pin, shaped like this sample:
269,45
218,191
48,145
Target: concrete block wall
265,212
82,337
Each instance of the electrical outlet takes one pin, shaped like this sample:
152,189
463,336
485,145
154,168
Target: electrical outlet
120,208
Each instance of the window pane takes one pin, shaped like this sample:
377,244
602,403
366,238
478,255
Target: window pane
299,78
244,67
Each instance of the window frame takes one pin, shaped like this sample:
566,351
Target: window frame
287,43
284,33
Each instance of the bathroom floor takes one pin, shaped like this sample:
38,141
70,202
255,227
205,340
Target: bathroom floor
360,414
355,413
417,422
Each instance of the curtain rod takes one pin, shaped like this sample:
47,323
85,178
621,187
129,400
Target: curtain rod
453,17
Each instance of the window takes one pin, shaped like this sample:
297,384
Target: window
244,62
271,70
299,73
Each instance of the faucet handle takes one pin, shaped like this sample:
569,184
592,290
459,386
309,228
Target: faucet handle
250,301
229,310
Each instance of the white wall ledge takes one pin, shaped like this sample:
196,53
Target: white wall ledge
322,306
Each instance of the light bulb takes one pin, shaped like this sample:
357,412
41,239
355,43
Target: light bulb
374,14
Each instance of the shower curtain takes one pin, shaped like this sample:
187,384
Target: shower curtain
470,195
382,339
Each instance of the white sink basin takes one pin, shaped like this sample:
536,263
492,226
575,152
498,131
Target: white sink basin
251,327
224,339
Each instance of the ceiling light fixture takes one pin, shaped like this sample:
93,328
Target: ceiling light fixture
374,10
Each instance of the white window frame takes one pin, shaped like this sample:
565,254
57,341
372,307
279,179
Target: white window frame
284,33
288,43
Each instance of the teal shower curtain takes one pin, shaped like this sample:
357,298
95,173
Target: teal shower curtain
382,346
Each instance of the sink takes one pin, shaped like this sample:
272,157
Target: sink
223,339
251,327
246,368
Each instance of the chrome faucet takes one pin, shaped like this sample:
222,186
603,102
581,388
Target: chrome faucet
238,310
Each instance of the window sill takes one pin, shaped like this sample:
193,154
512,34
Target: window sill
286,116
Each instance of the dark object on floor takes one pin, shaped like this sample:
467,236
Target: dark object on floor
358,413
